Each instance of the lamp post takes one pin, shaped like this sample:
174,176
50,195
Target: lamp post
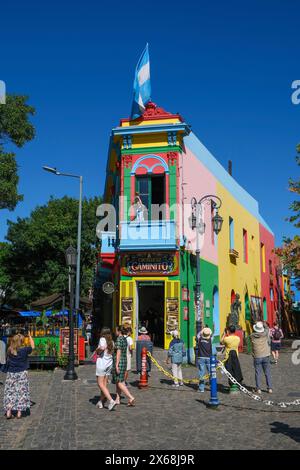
71,263
58,173
196,222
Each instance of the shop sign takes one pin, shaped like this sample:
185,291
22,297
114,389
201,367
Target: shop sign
156,264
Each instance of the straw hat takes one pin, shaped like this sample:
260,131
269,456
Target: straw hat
206,332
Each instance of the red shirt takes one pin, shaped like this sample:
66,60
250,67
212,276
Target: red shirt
144,338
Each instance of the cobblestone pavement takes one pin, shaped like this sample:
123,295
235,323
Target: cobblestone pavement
64,415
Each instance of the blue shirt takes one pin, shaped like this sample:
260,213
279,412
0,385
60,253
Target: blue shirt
20,362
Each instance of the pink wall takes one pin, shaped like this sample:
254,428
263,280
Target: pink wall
200,183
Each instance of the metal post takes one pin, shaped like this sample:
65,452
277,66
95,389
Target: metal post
77,292
213,402
71,374
198,283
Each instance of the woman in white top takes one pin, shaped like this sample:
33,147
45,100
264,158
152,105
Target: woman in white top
129,352
103,366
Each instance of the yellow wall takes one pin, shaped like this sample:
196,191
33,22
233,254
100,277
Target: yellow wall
241,276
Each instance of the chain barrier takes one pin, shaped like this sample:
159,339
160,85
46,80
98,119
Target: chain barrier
168,374
253,395
231,378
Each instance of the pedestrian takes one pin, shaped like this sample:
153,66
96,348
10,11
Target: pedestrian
88,332
176,352
120,365
204,353
276,337
16,390
232,363
104,364
143,334
230,341
129,352
261,355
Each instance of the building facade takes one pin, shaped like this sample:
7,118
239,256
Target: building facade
155,166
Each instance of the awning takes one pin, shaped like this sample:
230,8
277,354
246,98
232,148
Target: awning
53,299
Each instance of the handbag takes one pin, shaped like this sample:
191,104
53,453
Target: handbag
4,367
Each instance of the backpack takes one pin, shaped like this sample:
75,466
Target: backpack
177,353
276,334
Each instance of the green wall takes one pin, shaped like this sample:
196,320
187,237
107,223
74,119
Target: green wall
208,279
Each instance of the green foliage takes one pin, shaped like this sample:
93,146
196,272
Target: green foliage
290,250
33,260
16,129
62,360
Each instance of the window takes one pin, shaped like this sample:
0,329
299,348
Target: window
231,234
245,246
263,257
151,190
270,267
271,295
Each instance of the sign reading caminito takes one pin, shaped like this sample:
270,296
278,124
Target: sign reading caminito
152,264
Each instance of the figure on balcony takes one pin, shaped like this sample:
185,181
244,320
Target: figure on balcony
139,209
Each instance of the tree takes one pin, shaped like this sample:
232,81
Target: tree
33,262
16,129
290,250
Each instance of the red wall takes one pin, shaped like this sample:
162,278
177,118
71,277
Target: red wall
266,282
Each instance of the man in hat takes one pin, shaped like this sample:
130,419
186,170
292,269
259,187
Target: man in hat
204,353
261,355
143,334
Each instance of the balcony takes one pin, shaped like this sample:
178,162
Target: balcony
233,253
148,235
108,242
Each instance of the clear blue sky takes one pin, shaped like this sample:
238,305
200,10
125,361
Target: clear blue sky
227,67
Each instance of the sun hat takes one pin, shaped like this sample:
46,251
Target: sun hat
259,327
206,332
175,333
143,330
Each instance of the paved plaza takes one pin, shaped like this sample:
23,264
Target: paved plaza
64,415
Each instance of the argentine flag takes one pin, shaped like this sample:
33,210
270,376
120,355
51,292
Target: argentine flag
141,85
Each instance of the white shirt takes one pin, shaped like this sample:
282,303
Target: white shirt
106,360
129,343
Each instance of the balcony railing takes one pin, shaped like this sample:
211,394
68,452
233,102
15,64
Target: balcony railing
151,234
108,242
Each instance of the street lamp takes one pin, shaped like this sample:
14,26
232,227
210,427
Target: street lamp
58,173
71,263
196,222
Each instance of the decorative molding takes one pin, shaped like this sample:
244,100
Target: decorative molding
144,150
127,159
159,161
127,141
172,157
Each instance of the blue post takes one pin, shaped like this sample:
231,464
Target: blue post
213,382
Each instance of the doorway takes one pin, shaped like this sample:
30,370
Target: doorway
151,308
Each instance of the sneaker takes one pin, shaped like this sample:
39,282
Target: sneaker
99,404
112,403
175,385
201,391
258,390
181,383
270,390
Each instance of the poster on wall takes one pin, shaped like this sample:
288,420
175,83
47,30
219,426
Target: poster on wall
64,339
172,311
201,307
127,311
256,310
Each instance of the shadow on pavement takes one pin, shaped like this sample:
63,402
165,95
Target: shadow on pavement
286,430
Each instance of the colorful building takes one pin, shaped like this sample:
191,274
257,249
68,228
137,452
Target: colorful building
149,254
